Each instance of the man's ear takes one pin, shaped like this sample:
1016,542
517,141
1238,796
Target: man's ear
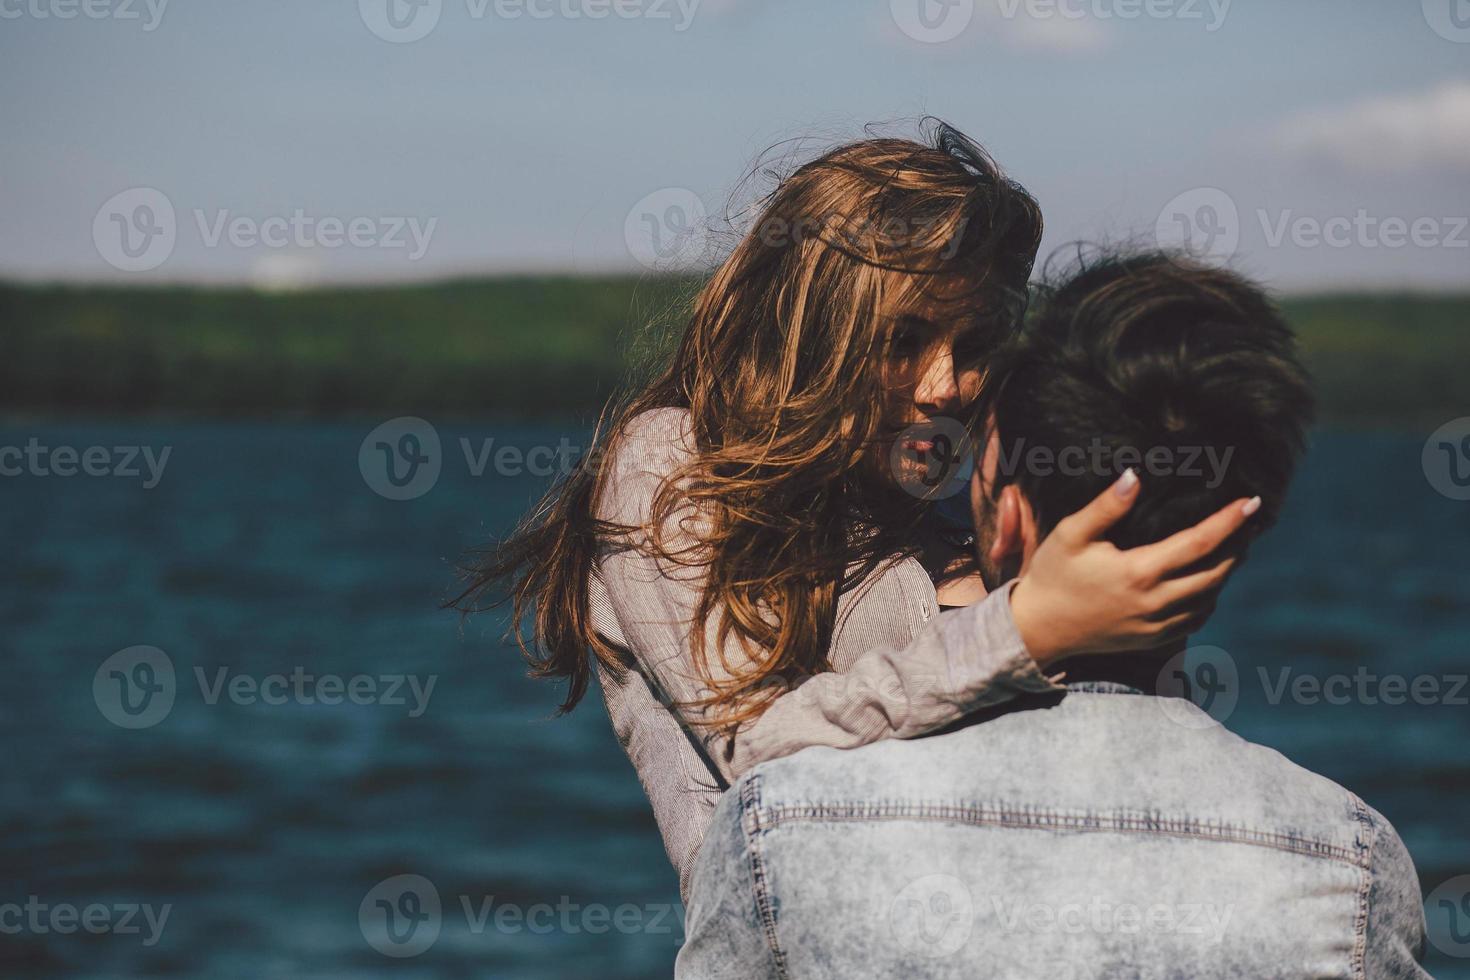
1013,521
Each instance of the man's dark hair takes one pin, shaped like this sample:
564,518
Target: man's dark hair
1150,351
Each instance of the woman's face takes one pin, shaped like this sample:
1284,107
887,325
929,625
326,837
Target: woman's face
932,375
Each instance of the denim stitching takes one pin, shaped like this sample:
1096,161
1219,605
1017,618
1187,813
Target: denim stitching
752,824
1030,818
1367,830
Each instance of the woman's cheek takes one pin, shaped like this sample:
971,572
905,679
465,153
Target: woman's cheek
898,386
969,383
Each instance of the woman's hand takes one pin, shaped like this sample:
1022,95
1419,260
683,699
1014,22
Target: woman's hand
1081,594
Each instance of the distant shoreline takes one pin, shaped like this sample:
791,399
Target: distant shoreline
538,348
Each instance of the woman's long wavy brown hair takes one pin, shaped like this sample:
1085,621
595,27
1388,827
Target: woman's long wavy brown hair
781,369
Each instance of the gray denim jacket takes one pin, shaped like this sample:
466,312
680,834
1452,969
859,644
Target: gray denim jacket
1099,834
896,672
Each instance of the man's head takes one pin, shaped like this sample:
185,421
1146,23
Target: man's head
1184,373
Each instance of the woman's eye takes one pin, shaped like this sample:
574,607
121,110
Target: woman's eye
905,344
971,346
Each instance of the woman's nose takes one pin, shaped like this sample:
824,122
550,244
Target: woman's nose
938,389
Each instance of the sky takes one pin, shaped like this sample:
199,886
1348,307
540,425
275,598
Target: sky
1317,144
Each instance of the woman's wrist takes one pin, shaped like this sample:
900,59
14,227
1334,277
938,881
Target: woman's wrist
1039,637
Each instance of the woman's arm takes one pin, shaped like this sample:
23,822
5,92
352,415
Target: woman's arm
1080,594
959,662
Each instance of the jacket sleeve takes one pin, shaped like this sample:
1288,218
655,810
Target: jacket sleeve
1394,945
961,661
726,926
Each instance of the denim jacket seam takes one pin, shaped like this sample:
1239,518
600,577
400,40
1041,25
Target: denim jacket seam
1367,839
753,826
1016,817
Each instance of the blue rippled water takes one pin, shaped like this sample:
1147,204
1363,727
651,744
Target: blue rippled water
263,827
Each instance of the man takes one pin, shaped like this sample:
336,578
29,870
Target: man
1139,838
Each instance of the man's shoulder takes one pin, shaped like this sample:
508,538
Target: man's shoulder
1131,759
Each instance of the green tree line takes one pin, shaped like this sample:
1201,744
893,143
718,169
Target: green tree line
538,347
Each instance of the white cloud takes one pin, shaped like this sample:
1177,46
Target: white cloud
1388,135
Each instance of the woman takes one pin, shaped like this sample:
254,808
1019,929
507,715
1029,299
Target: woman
744,554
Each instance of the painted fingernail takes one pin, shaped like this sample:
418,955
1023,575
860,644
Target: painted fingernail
1250,506
1126,483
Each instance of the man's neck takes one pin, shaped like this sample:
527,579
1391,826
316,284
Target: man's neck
1138,669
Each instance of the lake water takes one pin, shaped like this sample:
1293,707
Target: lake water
264,818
